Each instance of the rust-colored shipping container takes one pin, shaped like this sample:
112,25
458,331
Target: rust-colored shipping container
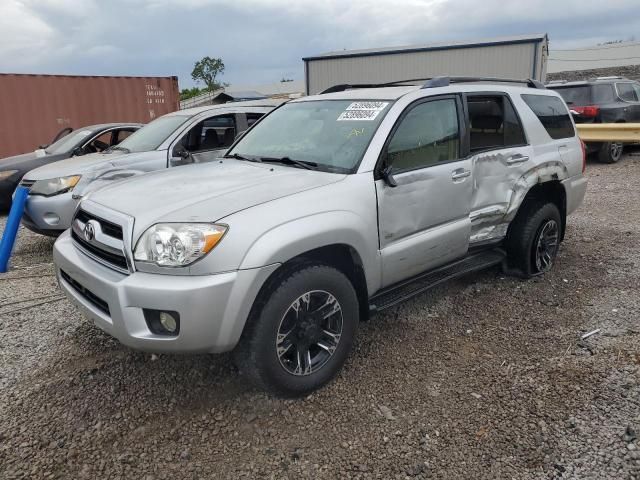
34,108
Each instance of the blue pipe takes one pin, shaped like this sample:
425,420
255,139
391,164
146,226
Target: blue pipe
11,227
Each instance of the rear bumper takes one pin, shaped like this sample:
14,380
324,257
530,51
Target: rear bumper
213,308
49,215
575,189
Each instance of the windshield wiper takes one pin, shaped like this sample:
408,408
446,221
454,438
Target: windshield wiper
237,156
291,161
116,147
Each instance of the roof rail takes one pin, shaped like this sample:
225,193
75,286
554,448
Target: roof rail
612,77
348,86
446,81
432,83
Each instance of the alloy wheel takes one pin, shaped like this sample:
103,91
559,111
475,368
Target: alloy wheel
309,333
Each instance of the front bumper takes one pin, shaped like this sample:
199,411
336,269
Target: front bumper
213,308
49,215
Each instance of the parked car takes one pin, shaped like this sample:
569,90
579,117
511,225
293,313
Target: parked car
76,143
187,136
602,100
331,207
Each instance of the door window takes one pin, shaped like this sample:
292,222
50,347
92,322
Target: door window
627,92
493,123
429,134
121,135
210,134
98,144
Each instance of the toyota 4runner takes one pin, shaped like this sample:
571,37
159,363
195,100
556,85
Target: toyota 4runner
330,207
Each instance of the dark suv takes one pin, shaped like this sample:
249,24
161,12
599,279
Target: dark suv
602,100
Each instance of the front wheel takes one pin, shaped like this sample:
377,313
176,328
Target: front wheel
301,332
534,237
610,152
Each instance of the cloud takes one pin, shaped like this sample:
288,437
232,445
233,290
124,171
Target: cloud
261,41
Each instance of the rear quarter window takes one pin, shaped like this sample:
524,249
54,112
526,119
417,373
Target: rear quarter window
553,114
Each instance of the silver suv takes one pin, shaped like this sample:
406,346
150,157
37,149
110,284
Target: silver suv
331,207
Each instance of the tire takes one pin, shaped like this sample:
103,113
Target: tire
525,248
271,351
610,152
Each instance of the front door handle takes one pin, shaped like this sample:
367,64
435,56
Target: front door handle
460,174
517,158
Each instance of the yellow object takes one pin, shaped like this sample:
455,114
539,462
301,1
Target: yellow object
609,132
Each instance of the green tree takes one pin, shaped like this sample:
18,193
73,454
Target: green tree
187,93
207,70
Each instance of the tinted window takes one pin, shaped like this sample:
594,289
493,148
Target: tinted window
494,123
627,92
552,113
603,93
427,135
580,95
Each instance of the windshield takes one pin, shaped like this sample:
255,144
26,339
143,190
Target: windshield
153,134
333,134
68,142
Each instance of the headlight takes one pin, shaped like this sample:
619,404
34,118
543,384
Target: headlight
177,244
54,186
7,173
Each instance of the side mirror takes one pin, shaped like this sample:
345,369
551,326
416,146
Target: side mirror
387,176
76,152
181,156
43,146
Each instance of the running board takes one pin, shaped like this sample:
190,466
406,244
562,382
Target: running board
402,291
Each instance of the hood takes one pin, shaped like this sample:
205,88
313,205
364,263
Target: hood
205,192
28,161
84,164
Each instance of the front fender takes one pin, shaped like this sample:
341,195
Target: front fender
301,235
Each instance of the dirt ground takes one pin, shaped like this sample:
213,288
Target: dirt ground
485,377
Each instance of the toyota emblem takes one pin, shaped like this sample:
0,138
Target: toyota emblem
89,232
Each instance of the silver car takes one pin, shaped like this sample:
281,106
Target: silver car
187,136
332,207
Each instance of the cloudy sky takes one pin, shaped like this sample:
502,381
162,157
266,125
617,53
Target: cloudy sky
261,41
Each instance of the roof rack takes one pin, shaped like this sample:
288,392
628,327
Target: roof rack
432,82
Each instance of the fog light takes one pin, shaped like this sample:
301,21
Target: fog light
168,322
162,322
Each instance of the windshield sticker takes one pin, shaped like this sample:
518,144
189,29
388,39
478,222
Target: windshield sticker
362,111
377,106
358,115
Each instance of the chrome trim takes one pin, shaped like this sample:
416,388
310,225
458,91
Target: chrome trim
102,241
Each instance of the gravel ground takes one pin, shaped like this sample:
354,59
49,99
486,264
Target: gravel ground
486,377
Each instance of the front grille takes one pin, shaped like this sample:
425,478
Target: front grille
108,227
105,245
86,294
113,258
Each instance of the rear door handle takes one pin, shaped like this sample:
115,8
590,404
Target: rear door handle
460,174
517,158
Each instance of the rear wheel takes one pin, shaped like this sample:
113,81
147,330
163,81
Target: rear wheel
610,152
300,333
534,238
